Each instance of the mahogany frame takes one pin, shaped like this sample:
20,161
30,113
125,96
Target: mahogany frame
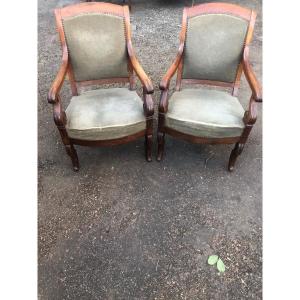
129,2
134,66
244,66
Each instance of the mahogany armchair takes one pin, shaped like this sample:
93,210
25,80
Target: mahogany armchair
97,49
214,50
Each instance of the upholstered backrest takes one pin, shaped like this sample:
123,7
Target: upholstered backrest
97,45
213,47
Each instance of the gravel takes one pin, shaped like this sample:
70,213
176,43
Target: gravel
122,228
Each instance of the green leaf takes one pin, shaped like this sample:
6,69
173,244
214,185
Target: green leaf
212,259
220,266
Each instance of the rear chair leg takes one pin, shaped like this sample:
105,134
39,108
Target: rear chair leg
148,146
160,145
237,150
71,151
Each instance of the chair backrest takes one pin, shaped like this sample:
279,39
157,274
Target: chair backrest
95,36
215,35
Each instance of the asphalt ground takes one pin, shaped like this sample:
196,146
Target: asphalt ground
122,228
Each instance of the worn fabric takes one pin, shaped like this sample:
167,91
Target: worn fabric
97,46
105,114
213,47
205,113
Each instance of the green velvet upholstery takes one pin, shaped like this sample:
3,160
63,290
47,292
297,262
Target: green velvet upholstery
205,113
105,114
213,47
97,46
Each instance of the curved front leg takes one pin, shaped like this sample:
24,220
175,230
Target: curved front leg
237,150
60,120
148,111
163,108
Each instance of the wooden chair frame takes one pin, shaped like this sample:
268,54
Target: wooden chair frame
244,66
134,66
129,2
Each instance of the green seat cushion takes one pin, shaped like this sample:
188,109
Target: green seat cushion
105,114
205,113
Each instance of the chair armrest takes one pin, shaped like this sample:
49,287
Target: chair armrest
59,79
165,82
145,80
250,76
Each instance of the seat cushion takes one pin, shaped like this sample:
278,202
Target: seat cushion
105,114
205,113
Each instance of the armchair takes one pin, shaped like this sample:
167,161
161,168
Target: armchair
97,49
213,50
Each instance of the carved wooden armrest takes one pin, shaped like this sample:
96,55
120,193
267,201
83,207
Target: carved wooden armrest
250,76
145,80
59,80
165,82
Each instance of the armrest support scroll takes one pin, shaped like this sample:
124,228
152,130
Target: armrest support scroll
59,114
250,115
148,105
163,102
